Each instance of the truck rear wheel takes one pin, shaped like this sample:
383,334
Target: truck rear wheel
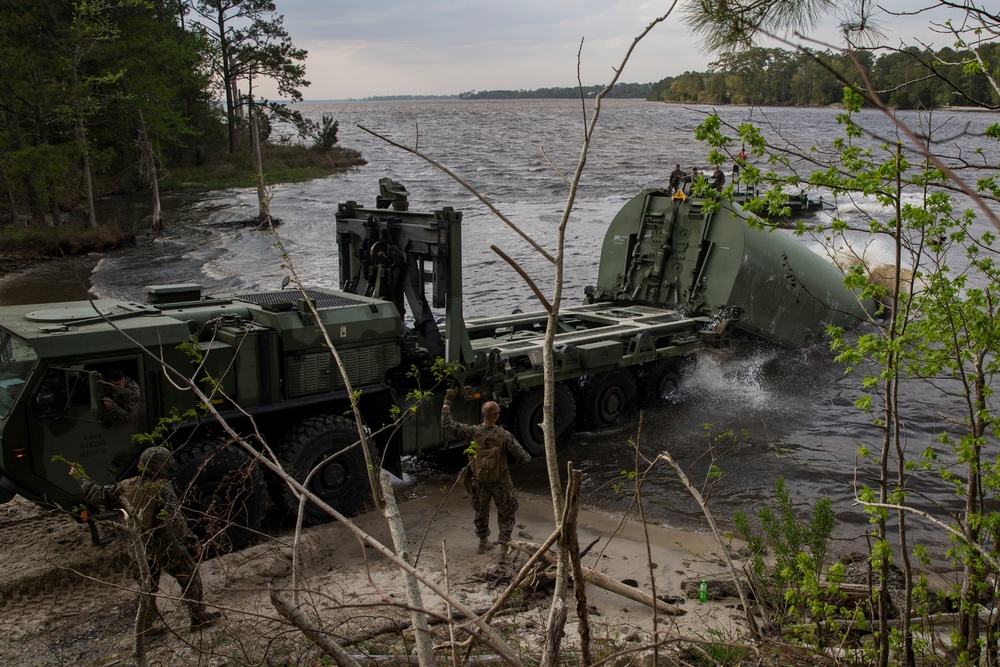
606,398
525,422
659,382
342,481
222,493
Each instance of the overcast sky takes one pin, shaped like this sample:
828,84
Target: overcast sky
361,48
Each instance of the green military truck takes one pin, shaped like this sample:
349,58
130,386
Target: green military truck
673,280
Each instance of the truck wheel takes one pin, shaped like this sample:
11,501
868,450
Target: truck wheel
659,382
606,398
222,493
525,422
342,482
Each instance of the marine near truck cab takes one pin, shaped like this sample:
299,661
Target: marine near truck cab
674,278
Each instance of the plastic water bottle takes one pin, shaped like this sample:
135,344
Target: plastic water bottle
703,592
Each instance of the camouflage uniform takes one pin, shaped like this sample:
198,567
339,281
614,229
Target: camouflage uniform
124,405
501,491
152,500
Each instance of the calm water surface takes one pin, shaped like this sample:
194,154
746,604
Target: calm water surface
791,410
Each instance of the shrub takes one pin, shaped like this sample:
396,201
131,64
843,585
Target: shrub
326,133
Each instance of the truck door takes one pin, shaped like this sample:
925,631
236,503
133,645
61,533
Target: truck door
69,420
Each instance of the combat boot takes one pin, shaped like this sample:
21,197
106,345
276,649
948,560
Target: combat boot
485,545
153,628
204,619
504,552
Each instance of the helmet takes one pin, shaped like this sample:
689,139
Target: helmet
154,461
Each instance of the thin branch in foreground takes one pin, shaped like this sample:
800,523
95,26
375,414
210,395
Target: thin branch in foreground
295,616
903,128
475,193
922,148
983,553
751,622
524,276
554,167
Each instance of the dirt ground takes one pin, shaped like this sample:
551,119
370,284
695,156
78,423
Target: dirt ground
64,601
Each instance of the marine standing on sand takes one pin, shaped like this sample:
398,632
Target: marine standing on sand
168,539
488,436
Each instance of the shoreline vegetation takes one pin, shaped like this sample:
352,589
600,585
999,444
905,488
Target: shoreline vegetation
25,244
778,77
143,105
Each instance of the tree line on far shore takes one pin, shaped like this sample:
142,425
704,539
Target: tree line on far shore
910,78
621,90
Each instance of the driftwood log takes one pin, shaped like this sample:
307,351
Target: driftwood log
607,583
402,626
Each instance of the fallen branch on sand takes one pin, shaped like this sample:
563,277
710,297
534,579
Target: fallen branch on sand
607,583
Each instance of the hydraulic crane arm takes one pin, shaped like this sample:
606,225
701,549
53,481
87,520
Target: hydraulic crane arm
390,253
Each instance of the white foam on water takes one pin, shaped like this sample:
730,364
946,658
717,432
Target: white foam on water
737,382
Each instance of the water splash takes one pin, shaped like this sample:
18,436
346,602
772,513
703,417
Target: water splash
734,382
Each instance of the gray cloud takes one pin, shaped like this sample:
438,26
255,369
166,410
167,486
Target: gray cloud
388,47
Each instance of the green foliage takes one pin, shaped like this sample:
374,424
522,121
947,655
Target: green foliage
442,370
788,556
938,328
83,77
424,382
782,535
718,651
943,332
247,41
778,77
618,486
285,164
472,449
168,423
76,469
165,426
326,133
76,77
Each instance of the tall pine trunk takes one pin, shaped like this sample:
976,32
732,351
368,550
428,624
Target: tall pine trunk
263,208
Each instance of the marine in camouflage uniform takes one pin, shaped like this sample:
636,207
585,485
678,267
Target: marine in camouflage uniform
500,491
152,501
121,397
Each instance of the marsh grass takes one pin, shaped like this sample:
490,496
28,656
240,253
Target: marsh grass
37,242
282,164
22,244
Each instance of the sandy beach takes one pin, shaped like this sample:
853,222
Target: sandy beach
64,601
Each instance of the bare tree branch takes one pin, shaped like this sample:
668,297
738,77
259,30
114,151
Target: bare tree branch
475,193
294,615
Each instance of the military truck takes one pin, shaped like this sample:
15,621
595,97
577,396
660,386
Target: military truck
674,278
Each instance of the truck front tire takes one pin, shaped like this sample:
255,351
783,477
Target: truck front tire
222,493
341,482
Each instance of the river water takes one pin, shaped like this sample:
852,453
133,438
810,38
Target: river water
791,411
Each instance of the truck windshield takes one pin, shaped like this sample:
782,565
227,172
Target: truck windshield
16,361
